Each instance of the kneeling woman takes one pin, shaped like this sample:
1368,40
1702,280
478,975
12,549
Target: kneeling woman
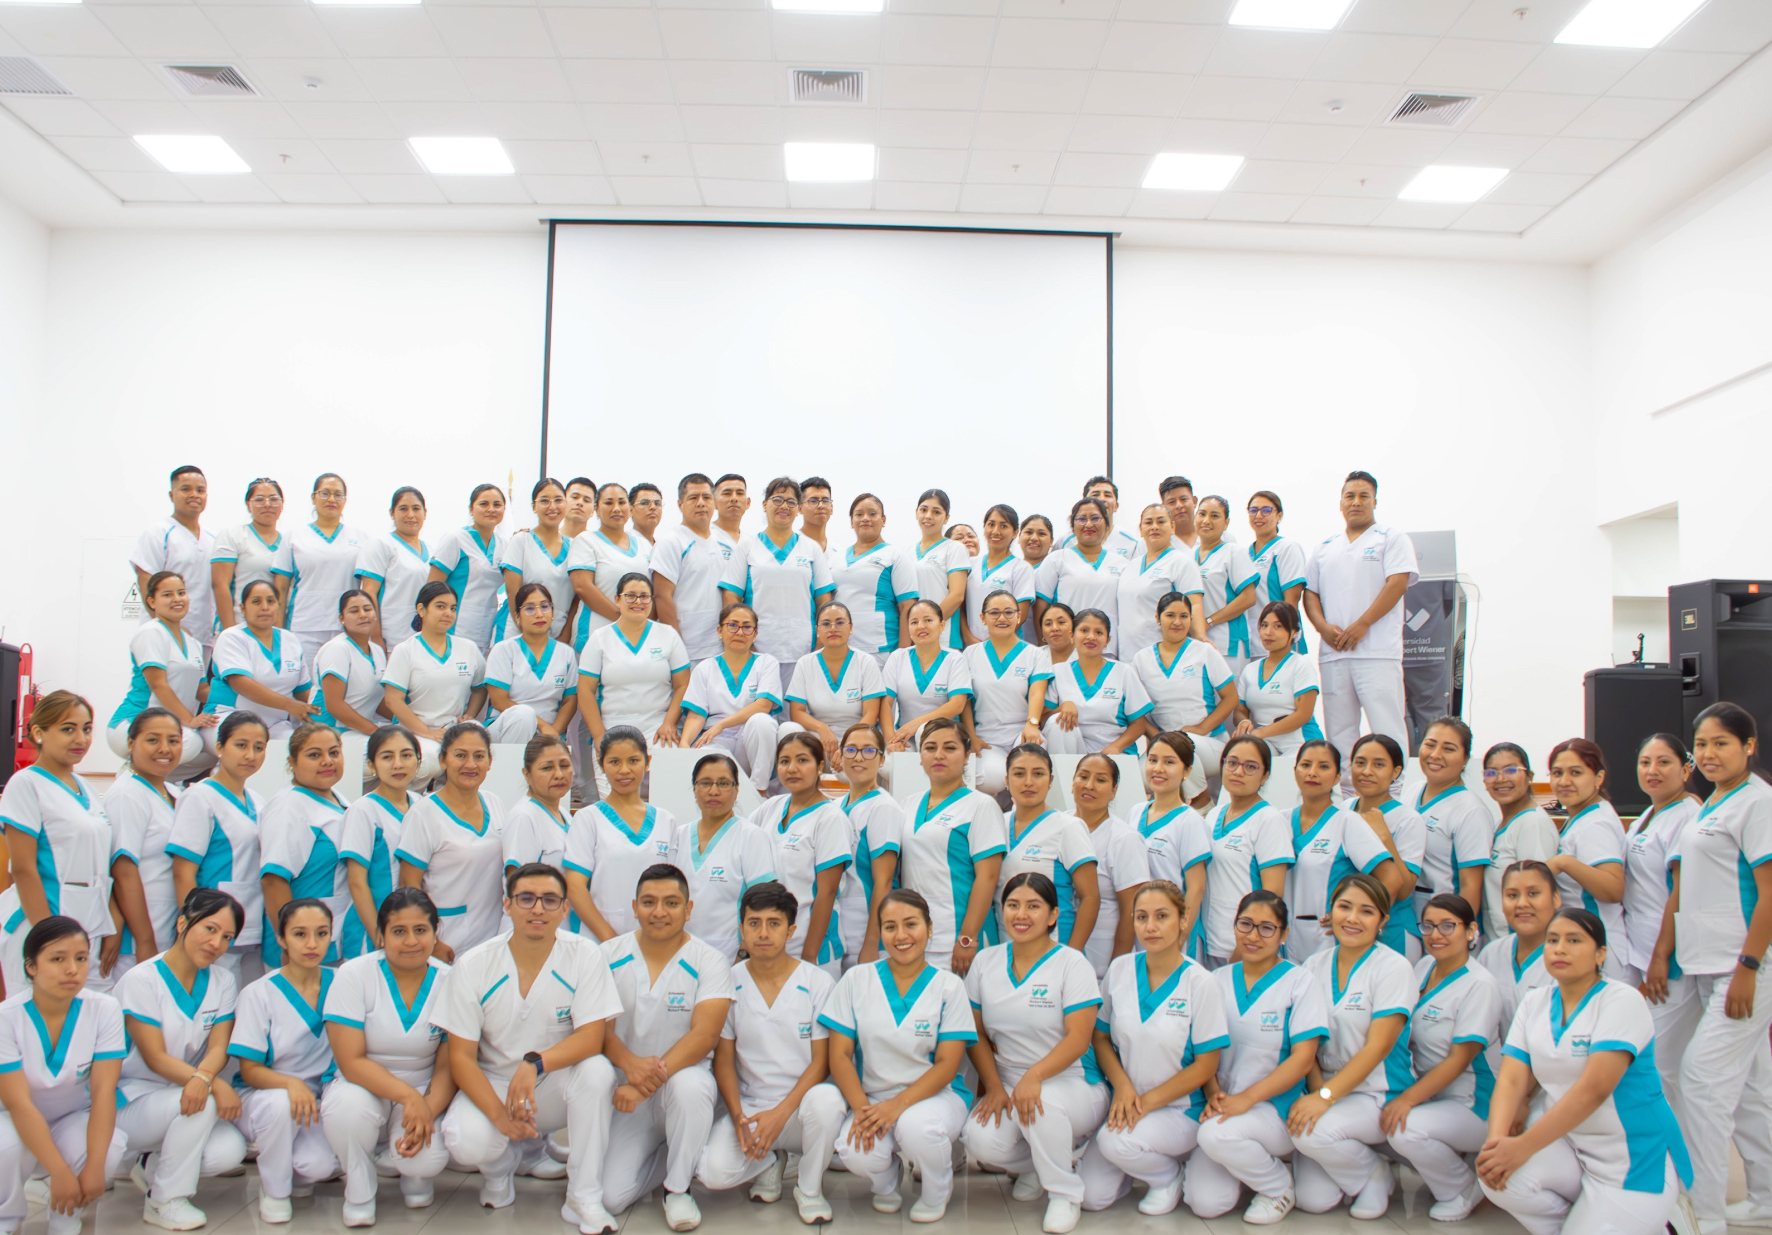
899,1029
1159,1010
395,1082
178,1010
61,1102
1607,1156
1040,1092
1371,990
279,1023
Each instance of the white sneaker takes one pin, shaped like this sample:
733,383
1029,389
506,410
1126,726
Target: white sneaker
1459,1207
924,1211
275,1209
1027,1187
139,1175
766,1187
498,1191
1684,1221
814,1210
792,1170
1746,1213
65,1224
1267,1210
888,1203
681,1211
178,1214
544,1168
360,1215
595,1221
1161,1200
301,1188
1375,1197
417,1193
1061,1216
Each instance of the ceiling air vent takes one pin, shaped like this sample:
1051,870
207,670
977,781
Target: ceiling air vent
23,75
211,81
830,86
1436,111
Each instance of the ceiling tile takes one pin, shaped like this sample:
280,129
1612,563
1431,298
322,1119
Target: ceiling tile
244,118
289,80
110,77
60,30
1353,104
64,118
619,81
1398,147
537,121
1280,176
654,191
273,30
726,161
355,158
1037,44
927,86
1237,98
1472,64
414,79
490,31
1017,167
145,186
1118,134
1485,217
516,80
1430,17
483,190
1016,131
438,119
1264,53
941,129
1064,10
1633,119
732,124
720,82
755,194
148,117
833,39
1387,58
1676,74
1116,171
165,30
629,159
834,124
1255,207
634,122
891,195
1522,113
1539,22
831,196
1088,202
311,188
1725,25
1193,12
231,190
1035,90
1339,211
699,35
898,163
1353,179
569,190
605,34
1001,199
10,46
1214,136
937,40
1490,150
555,158
1136,94
1323,143
1159,204
1576,154
398,190
282,155
324,119
105,154
1535,189
1576,70
382,31
1419,214
946,8
1155,47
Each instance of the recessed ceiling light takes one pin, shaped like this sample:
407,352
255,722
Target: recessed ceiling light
829,161
1201,173
462,156
193,155
1445,183
829,6
1289,14
1627,23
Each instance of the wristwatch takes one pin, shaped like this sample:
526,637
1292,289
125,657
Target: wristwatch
534,1057
1749,963
967,941
1326,1093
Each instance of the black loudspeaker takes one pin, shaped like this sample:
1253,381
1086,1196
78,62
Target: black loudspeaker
1623,706
1719,638
8,709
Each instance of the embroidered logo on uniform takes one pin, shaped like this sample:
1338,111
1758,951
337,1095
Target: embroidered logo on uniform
792,840
563,1013
1041,997
461,669
923,1029
852,693
82,1071
716,874
676,1001
1431,1012
805,1030
1371,553
209,1021
1356,1000
1110,692
1580,1044
1031,853
1321,845
656,653
1177,1006
663,847
1270,1022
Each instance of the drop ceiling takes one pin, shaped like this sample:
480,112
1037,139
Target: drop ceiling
1027,111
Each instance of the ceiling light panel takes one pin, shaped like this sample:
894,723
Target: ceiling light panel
193,155
828,162
1443,182
829,6
1627,23
1290,14
462,156
1198,173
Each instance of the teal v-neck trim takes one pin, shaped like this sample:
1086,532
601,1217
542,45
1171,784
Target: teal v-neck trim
1442,985
77,791
1169,669
901,1005
1439,797
1710,806
188,1001
1560,1023
1201,561
448,648
1089,688
1101,553
632,647
1306,838
243,805
1246,996
178,633
1579,815
836,683
637,838
1015,838
55,1054
698,854
851,557
1145,565
485,814
1009,963
421,553
552,812
388,806
924,811
924,679
734,685
1335,972
846,806
779,554
270,547
315,528
536,663
987,568
1150,827
1148,1000
408,1015
1000,667
788,819
160,793
565,545
630,551
1225,825
1262,679
1521,968
330,803
311,1016
485,549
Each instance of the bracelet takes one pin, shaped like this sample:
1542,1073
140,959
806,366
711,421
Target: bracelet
198,1075
1749,963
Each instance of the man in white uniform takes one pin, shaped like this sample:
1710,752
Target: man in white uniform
816,507
687,563
1177,495
1353,595
526,1014
1121,544
731,501
179,543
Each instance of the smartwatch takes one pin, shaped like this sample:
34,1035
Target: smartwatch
967,941
1749,963
534,1057
1326,1093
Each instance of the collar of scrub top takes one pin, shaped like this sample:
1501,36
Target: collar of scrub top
1001,666
556,559
1089,688
442,658
1246,994
1150,1000
1705,810
836,683
735,684
1448,980
985,568
1513,955
408,1013
632,647
485,814
1226,825
901,1005
1169,669
1015,838
850,556
1009,960
77,790
1558,1022
780,554
923,679
630,551
189,1002
269,548
485,549
1445,793
312,1015
315,528
1335,970
1308,837
1147,561
698,852
245,806
646,822
55,1054
925,812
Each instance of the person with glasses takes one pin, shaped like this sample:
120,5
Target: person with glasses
600,559
1008,690
783,576
687,563
315,564
1084,574
531,680
997,570
1589,861
943,566
244,552
1526,832
1251,845
1455,1035
1530,898
178,543
925,681
1191,688
1157,570
833,688
1095,705
647,502
1278,564
634,672
875,581
733,698
1228,579
539,555
392,567
723,855
876,832
816,508
1120,543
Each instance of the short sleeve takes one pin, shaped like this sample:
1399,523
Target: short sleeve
714,980
960,676
372,560
596,998
676,654
1601,845
1313,570
476,666
839,1012
590,661
416,840
356,838
699,698
799,683
457,1008
975,985
988,835
1518,1045
957,1024
1273,842
191,824
148,647
398,674
830,840
345,1002
768,671
1625,1023
283,842
1134,702
128,816
1305,676
1239,572
904,576
1361,844
581,843
873,685
498,665
1478,1018
1074,846
821,575
448,553
1196,841
283,560
1290,560
1186,576
1211,1031
1218,669
1473,837
1393,990
150,551
1080,989
252,1026
1756,829
1046,579
229,658
1535,837
756,858
1399,556
1129,859
1310,1011
579,555
1104,1015
133,993
11,1057
738,571
225,549
513,554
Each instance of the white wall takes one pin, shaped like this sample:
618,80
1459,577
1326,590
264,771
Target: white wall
24,296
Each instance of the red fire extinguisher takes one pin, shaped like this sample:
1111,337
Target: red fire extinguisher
24,754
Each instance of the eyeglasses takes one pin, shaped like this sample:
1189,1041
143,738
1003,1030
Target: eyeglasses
832,623
1267,930
741,628
1251,766
1087,520
636,597
1447,929
818,501
536,608
550,501
784,503
646,503
1261,510
549,901
329,495
1512,769
722,785
1002,613
267,499
860,752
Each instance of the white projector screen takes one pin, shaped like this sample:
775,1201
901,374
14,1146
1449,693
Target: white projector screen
889,360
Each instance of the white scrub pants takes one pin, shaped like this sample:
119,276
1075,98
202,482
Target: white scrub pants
285,1152
246,964
196,756
1550,1195
925,1134
1306,938
1251,1148
1281,789
1352,686
1159,1148
1341,1149
357,1124
1435,1139
659,1141
313,640
1727,1073
184,1147
752,746
576,1098
1207,750
1073,1110
1062,741
17,1163
273,729
810,1132
1675,1021
514,726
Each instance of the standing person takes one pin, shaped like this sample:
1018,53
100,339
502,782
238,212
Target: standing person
178,543
1106,493
899,1031
783,577
772,1051
1096,704
1041,1095
600,559
634,671
966,534
1279,564
1228,580
349,667
1251,844
942,566
1460,828
1084,574
876,837
1589,861
998,570
394,1082
1662,767
647,501
833,688
260,669
1191,687
925,681
166,669
315,564
244,551
58,842
1526,832
953,847
1377,766
1122,863
531,678
437,680
467,559
1008,691
1330,842
1035,541
451,842
301,838
1154,572
374,821
1530,899
1173,834
1052,844
614,839
1158,1035
178,1013
731,502
140,806
1607,1154
214,840
519,1077
816,508
724,855
733,698
539,555
665,1092
1177,495
875,581
1277,695
808,838
1354,587
392,567
581,506
687,565
1455,1034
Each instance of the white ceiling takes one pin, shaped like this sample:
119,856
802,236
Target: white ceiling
982,110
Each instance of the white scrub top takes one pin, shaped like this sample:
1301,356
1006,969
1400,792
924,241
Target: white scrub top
168,546
462,867
876,826
873,586
281,667
73,848
1024,1017
936,566
1173,843
656,1013
275,1026
470,566
1055,844
1270,699
1184,690
219,832
1119,543
1718,853
1382,984
735,860
320,569
252,558
611,856
527,560
1278,566
1143,584
543,682
943,843
1653,839
1337,845
1067,577
400,571
180,656
1225,574
1513,976
60,1077
399,1037
803,845
1529,835
535,832
784,585
895,1034
1626,1142
1242,847
1286,1006
371,835
1000,687
773,1042
633,680
1010,575
152,994
1160,1032
837,701
607,562
1347,577
437,687
694,565
915,691
1465,1007
1594,836
1122,863
1106,705
1460,834
481,1001
360,667
141,824
715,692
301,834
1409,831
